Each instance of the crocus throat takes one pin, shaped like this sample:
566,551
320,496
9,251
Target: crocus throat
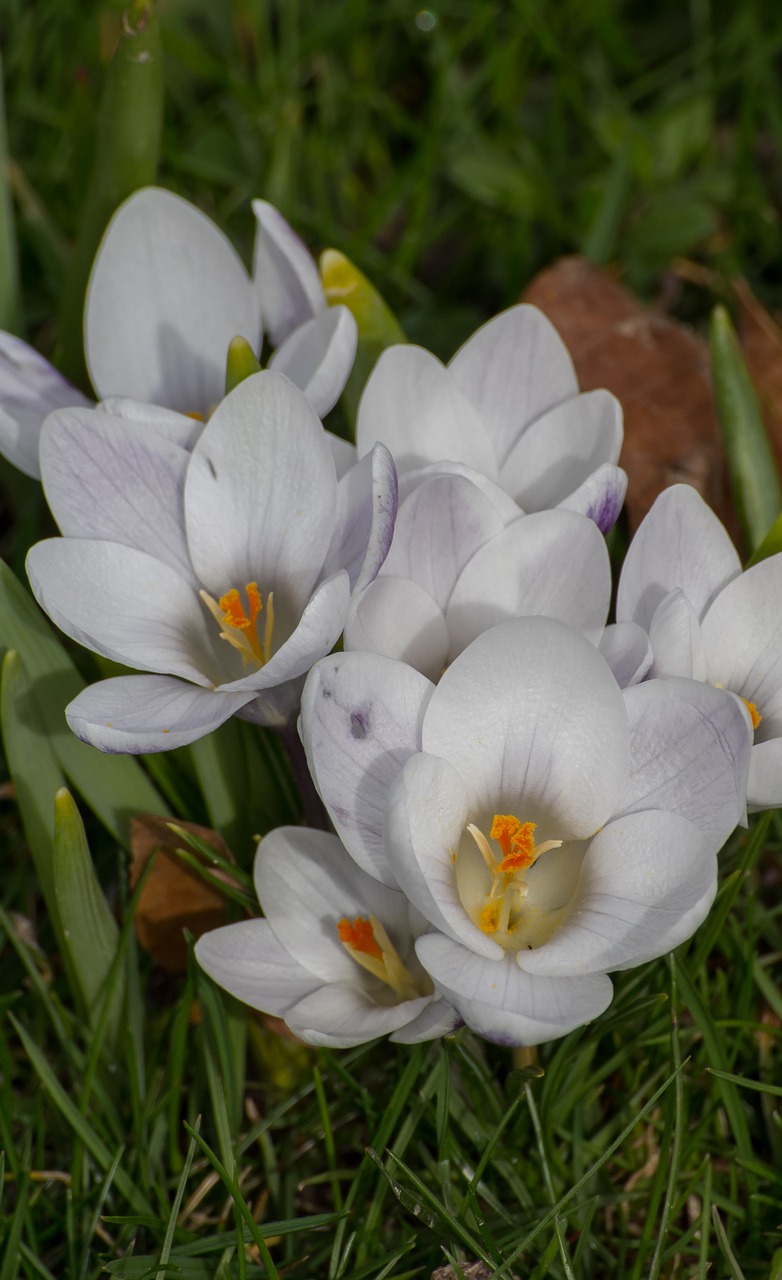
365,939
240,625
502,909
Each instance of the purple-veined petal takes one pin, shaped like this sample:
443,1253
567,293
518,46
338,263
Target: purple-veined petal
626,648
147,713
553,563
562,449
531,715
318,357
647,882
360,721
680,543
513,369
247,960
600,498
30,388
413,405
167,294
366,510
285,274
689,754
261,493
504,1004
340,1016
675,637
396,617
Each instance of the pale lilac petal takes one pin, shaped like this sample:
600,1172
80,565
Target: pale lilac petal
504,1004
438,530
105,478
680,543
247,960
647,882
689,754
167,294
306,883
530,715
426,813
764,787
318,357
140,714
124,604
345,455
502,502
436,1020
366,511
413,405
340,1016
554,563
261,493
562,449
675,637
742,637
600,498
285,275
178,428
30,388
396,617
512,370
360,721
626,648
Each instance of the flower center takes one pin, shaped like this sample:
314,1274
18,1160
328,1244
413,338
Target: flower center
754,714
367,942
502,912
240,626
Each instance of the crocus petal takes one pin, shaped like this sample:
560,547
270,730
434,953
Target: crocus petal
438,530
360,721
396,617
689,754
626,648
600,498
531,713
675,637
167,294
553,563
247,960
340,1016
680,543
512,370
562,448
261,492
124,604
742,636
366,510
504,1004
647,882
285,275
507,509
306,883
426,815
436,1020
764,786
345,455
318,357
30,388
413,405
138,714
104,478
177,428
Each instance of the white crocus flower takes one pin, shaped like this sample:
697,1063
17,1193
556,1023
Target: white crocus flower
458,566
508,406
549,826
682,582
223,573
335,954
30,388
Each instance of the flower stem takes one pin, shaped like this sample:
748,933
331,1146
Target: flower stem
313,810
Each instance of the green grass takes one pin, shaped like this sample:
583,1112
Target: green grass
450,159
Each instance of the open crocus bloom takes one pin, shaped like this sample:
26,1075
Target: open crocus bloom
549,826
335,955
508,406
458,566
223,573
682,582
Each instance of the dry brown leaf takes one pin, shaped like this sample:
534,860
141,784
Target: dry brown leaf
659,370
174,897
761,339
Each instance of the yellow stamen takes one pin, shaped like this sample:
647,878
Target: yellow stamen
754,714
490,917
508,888
368,943
240,624
518,846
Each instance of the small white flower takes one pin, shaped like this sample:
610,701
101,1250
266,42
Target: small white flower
335,954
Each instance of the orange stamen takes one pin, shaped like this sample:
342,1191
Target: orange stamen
754,714
255,601
233,610
517,841
503,829
359,935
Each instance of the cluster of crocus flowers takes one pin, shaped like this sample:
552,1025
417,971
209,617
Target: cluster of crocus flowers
523,795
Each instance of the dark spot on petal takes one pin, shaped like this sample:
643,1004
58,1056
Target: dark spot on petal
359,724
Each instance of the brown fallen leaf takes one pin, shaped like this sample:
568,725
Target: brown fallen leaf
659,370
174,897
